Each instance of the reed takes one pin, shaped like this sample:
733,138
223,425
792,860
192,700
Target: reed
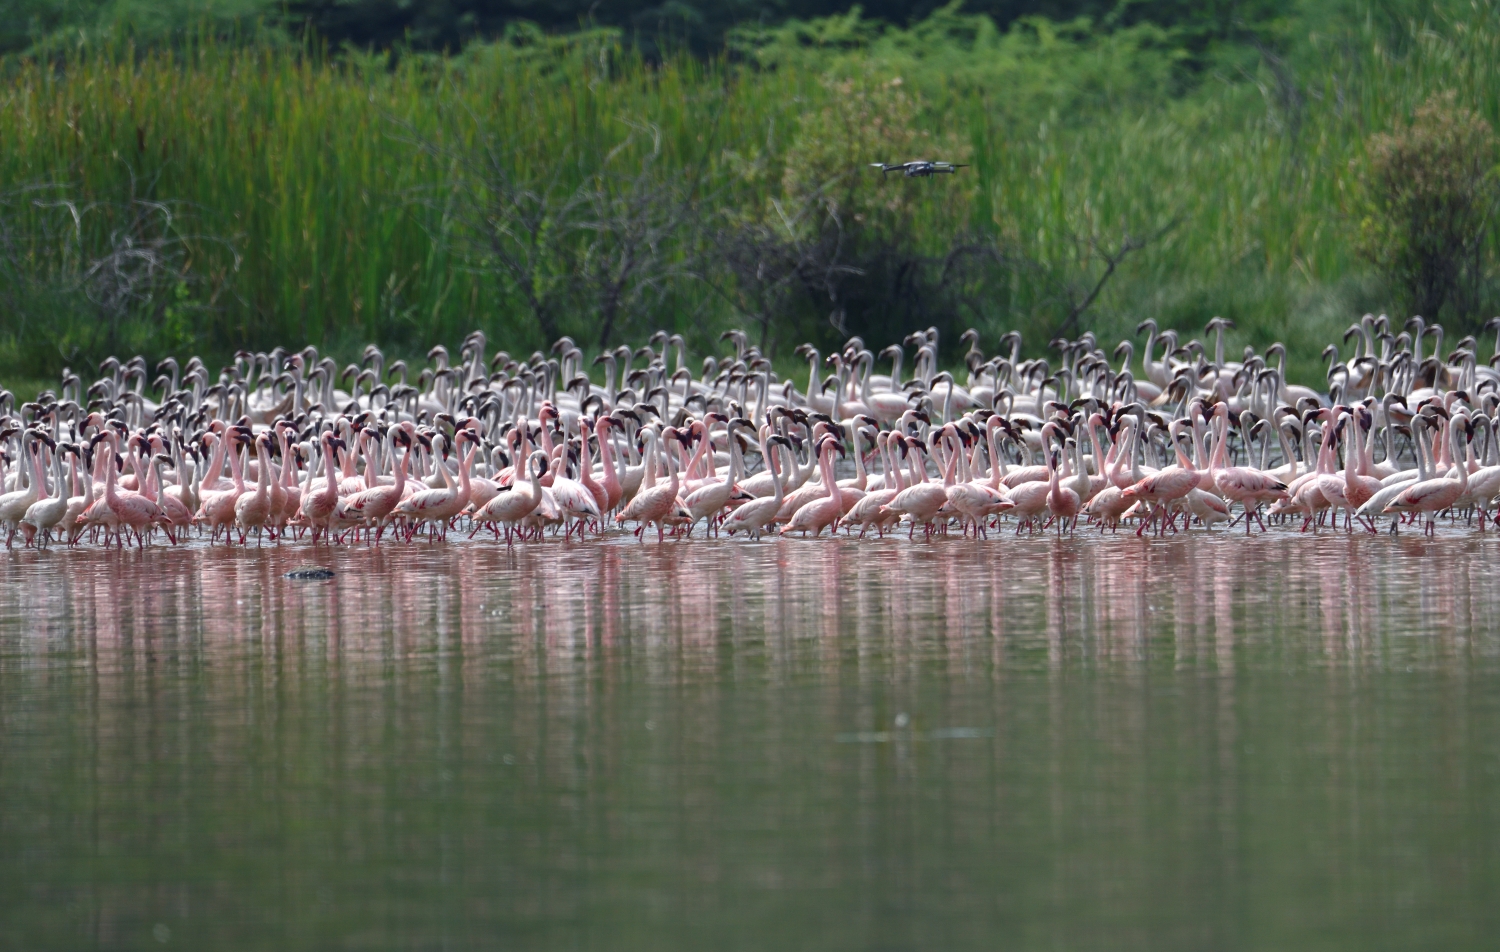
322,199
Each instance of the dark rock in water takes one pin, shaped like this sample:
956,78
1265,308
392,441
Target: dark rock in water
311,574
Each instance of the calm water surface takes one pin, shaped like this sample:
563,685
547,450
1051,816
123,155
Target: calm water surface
1209,743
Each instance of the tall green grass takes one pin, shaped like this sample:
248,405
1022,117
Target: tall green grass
333,182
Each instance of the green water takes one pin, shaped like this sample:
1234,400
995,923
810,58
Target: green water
1284,743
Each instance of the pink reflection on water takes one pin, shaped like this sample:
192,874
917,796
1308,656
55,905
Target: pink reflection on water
774,610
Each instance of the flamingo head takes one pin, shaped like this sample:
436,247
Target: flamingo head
539,462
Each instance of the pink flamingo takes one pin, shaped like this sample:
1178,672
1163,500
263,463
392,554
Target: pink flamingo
975,500
652,504
318,505
870,509
217,507
1167,486
254,510
574,499
513,505
1432,496
290,501
49,509
755,515
1062,501
1359,486
613,490
132,509
586,470
920,501
821,513
13,505
710,498
434,507
175,513
372,506
1251,488
1029,496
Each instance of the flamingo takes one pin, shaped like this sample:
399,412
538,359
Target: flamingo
254,510
867,510
710,498
47,512
1062,501
653,503
1167,486
575,501
1431,496
176,516
822,513
374,505
510,507
1250,488
976,500
920,501
13,505
130,508
434,507
318,506
217,507
754,516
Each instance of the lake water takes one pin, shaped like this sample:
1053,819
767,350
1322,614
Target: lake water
1198,743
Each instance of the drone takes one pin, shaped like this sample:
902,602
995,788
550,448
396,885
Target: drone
919,168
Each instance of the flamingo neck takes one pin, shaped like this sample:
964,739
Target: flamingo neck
331,474
288,467
609,460
1463,478
41,473
648,478
736,462
109,476
826,463
585,461
235,471
401,472
989,435
1198,449
1221,443
952,465
262,483
861,478
777,491
216,464
671,475
917,463
693,467
1182,459
148,474
348,469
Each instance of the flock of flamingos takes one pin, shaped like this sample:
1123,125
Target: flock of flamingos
282,444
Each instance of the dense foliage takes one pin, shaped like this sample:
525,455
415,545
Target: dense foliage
247,191
451,24
1431,193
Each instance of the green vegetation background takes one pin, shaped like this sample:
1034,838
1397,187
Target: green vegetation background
247,181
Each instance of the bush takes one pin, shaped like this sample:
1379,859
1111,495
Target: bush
1430,192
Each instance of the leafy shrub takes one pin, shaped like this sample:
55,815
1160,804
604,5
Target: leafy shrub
1431,192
